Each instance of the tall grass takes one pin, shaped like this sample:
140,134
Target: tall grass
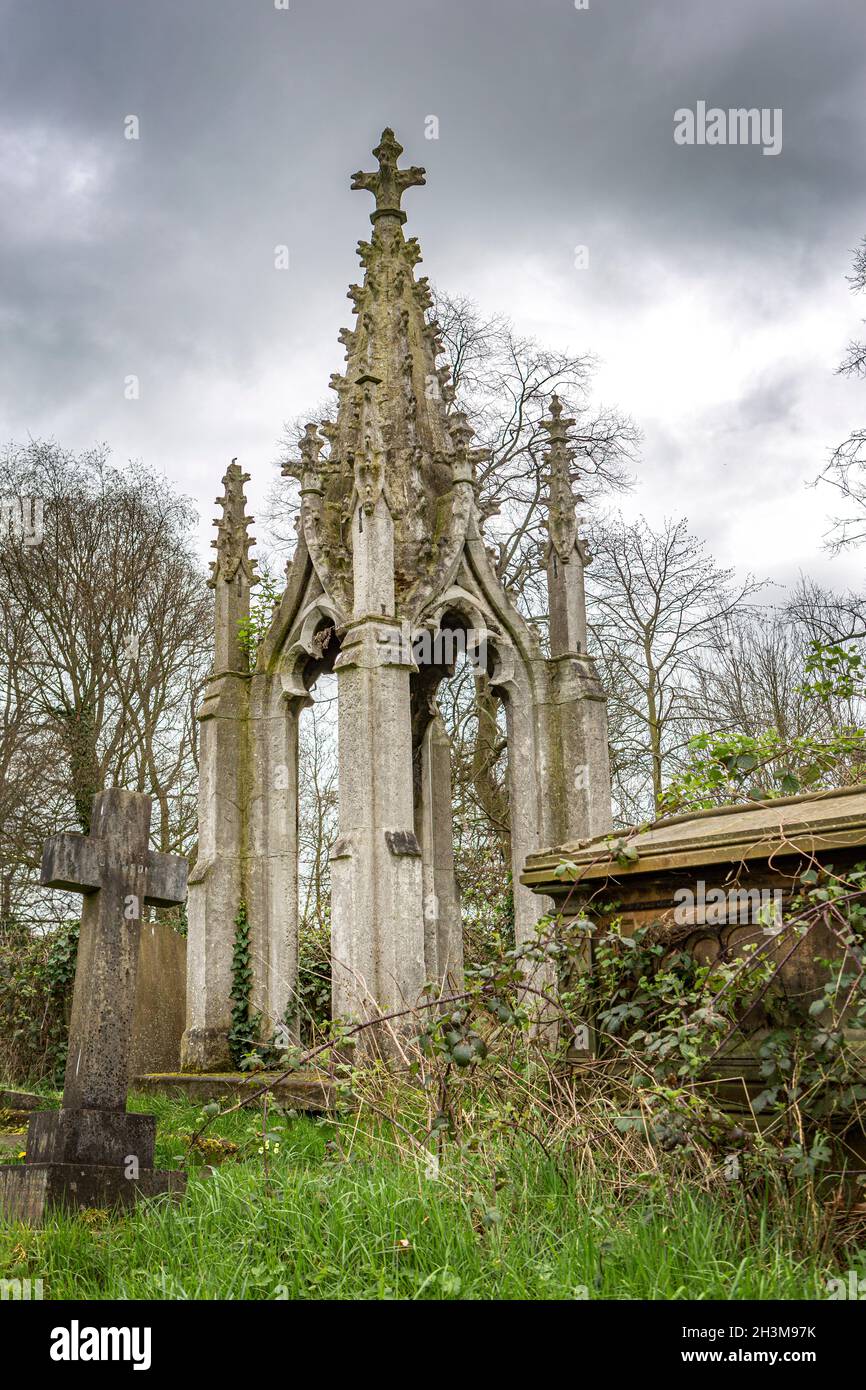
339,1212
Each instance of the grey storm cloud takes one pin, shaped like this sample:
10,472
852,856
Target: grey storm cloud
155,257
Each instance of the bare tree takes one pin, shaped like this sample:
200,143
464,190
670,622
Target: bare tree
657,601
317,820
845,471
29,794
779,708
504,383
107,628
756,677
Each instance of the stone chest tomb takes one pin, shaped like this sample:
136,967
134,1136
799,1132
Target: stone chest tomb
714,884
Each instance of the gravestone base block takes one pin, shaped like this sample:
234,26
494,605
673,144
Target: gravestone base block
29,1190
93,1137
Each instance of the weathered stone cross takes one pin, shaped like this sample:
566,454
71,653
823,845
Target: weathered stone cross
92,1153
118,874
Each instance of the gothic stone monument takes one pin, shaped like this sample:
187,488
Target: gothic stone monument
390,557
91,1153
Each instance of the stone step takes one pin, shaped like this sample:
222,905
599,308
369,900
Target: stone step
302,1091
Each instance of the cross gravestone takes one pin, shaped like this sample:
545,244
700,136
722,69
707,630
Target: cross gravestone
91,1152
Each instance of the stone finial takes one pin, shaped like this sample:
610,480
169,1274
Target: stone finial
465,460
308,467
559,456
460,429
311,445
558,425
232,544
388,183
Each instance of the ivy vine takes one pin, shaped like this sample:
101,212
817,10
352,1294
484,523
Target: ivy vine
245,1024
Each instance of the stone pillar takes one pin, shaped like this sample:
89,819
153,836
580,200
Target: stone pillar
527,833
530,811
580,738
567,597
581,762
580,769
272,865
377,889
217,883
443,929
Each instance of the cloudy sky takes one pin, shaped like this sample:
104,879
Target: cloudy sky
715,294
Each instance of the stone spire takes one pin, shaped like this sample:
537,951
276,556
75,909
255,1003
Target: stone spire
232,572
394,437
567,554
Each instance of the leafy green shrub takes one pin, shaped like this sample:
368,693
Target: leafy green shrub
36,978
314,978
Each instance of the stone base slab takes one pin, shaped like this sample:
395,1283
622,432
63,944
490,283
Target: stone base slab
20,1100
29,1190
205,1050
301,1091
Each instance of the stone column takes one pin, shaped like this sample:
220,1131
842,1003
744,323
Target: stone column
217,883
443,929
530,810
527,834
377,889
567,597
581,761
579,739
272,865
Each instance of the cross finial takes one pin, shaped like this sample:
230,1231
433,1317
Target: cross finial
388,183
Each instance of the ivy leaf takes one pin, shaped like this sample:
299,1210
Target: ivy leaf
765,1099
